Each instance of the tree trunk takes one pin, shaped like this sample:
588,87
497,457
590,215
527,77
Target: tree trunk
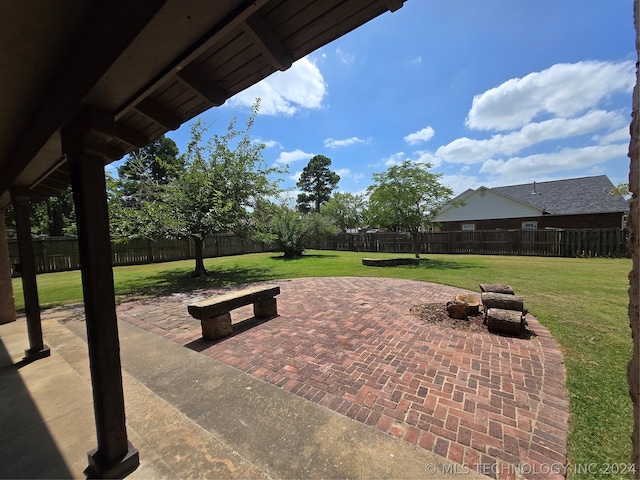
496,288
54,210
472,301
416,244
502,300
199,271
507,322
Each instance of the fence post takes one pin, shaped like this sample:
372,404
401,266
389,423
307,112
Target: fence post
45,256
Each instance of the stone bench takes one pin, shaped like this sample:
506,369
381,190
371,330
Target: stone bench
389,262
215,313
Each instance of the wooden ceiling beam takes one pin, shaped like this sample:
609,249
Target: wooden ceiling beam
196,80
57,181
130,136
96,48
263,36
394,5
99,148
231,21
158,114
52,171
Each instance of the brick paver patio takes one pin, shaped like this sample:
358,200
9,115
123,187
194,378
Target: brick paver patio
492,403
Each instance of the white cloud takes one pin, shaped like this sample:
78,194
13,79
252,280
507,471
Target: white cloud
346,58
294,156
395,159
459,183
300,87
347,173
332,143
563,90
270,143
517,168
424,156
622,134
417,60
420,156
420,136
470,151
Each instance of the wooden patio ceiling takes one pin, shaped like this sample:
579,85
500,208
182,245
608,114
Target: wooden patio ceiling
150,65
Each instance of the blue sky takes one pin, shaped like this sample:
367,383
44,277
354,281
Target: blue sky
489,92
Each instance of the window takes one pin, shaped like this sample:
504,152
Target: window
529,225
468,227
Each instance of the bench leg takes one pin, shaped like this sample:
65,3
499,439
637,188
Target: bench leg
216,327
265,308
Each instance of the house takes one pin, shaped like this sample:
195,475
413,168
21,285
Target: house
572,203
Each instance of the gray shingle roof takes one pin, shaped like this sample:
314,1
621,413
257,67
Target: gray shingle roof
568,197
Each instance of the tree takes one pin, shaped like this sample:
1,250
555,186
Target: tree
219,184
345,209
158,161
407,197
621,190
54,216
317,182
61,213
292,231
155,164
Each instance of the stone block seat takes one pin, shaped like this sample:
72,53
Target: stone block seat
215,313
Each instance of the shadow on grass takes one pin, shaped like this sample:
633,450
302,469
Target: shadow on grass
433,264
179,280
302,257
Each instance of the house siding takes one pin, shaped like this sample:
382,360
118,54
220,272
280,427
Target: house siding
482,201
599,220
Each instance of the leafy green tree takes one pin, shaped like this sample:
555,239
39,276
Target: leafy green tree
156,163
61,213
407,197
345,209
621,190
317,182
54,216
217,189
292,231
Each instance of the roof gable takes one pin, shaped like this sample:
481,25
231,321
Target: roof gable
572,196
486,203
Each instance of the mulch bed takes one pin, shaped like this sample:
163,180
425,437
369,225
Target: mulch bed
436,313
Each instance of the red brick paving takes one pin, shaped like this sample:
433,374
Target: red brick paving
492,403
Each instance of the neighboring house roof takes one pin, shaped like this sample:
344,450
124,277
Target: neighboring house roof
574,196
569,197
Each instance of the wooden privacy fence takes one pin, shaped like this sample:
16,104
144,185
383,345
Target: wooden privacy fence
54,254
57,254
547,243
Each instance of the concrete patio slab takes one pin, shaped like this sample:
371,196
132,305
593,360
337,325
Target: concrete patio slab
189,415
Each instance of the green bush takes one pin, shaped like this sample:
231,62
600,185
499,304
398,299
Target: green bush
294,231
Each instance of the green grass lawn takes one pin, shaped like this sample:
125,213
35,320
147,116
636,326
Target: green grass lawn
583,302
